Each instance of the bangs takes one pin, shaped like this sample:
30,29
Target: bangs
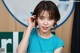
51,13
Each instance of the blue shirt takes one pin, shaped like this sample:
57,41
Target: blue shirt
37,44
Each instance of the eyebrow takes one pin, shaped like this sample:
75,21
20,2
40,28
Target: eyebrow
42,16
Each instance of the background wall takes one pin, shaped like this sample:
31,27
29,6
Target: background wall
8,24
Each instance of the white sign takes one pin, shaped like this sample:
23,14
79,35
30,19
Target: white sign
21,9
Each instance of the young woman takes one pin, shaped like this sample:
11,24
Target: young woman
41,40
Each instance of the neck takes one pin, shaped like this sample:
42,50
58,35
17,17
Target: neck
45,34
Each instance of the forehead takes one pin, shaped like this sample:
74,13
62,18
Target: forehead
44,13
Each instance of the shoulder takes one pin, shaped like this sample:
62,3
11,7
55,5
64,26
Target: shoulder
58,39
33,33
59,42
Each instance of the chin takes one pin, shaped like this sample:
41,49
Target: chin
45,31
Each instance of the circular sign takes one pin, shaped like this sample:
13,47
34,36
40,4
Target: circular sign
21,9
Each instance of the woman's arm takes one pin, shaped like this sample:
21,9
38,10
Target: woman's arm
22,47
59,50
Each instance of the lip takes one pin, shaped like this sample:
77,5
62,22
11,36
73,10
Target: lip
45,28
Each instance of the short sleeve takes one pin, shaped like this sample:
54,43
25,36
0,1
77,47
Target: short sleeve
60,43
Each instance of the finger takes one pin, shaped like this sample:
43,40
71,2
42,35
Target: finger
33,16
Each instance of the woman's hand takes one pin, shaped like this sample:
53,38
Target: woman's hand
31,21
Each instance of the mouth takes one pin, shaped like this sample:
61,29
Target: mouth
45,28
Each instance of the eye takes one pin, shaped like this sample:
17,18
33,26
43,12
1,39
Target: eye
41,18
50,19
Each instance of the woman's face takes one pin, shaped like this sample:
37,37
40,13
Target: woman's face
44,22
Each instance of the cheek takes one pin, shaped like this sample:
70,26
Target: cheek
39,22
51,23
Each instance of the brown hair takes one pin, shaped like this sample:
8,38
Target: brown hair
50,7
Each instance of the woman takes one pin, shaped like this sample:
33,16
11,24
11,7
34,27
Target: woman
41,40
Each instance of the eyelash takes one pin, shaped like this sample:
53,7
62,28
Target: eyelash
50,19
41,18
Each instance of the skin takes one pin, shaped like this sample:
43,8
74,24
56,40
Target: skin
43,22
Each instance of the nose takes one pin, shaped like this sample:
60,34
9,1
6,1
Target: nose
45,22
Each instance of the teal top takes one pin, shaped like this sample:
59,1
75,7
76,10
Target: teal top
37,44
